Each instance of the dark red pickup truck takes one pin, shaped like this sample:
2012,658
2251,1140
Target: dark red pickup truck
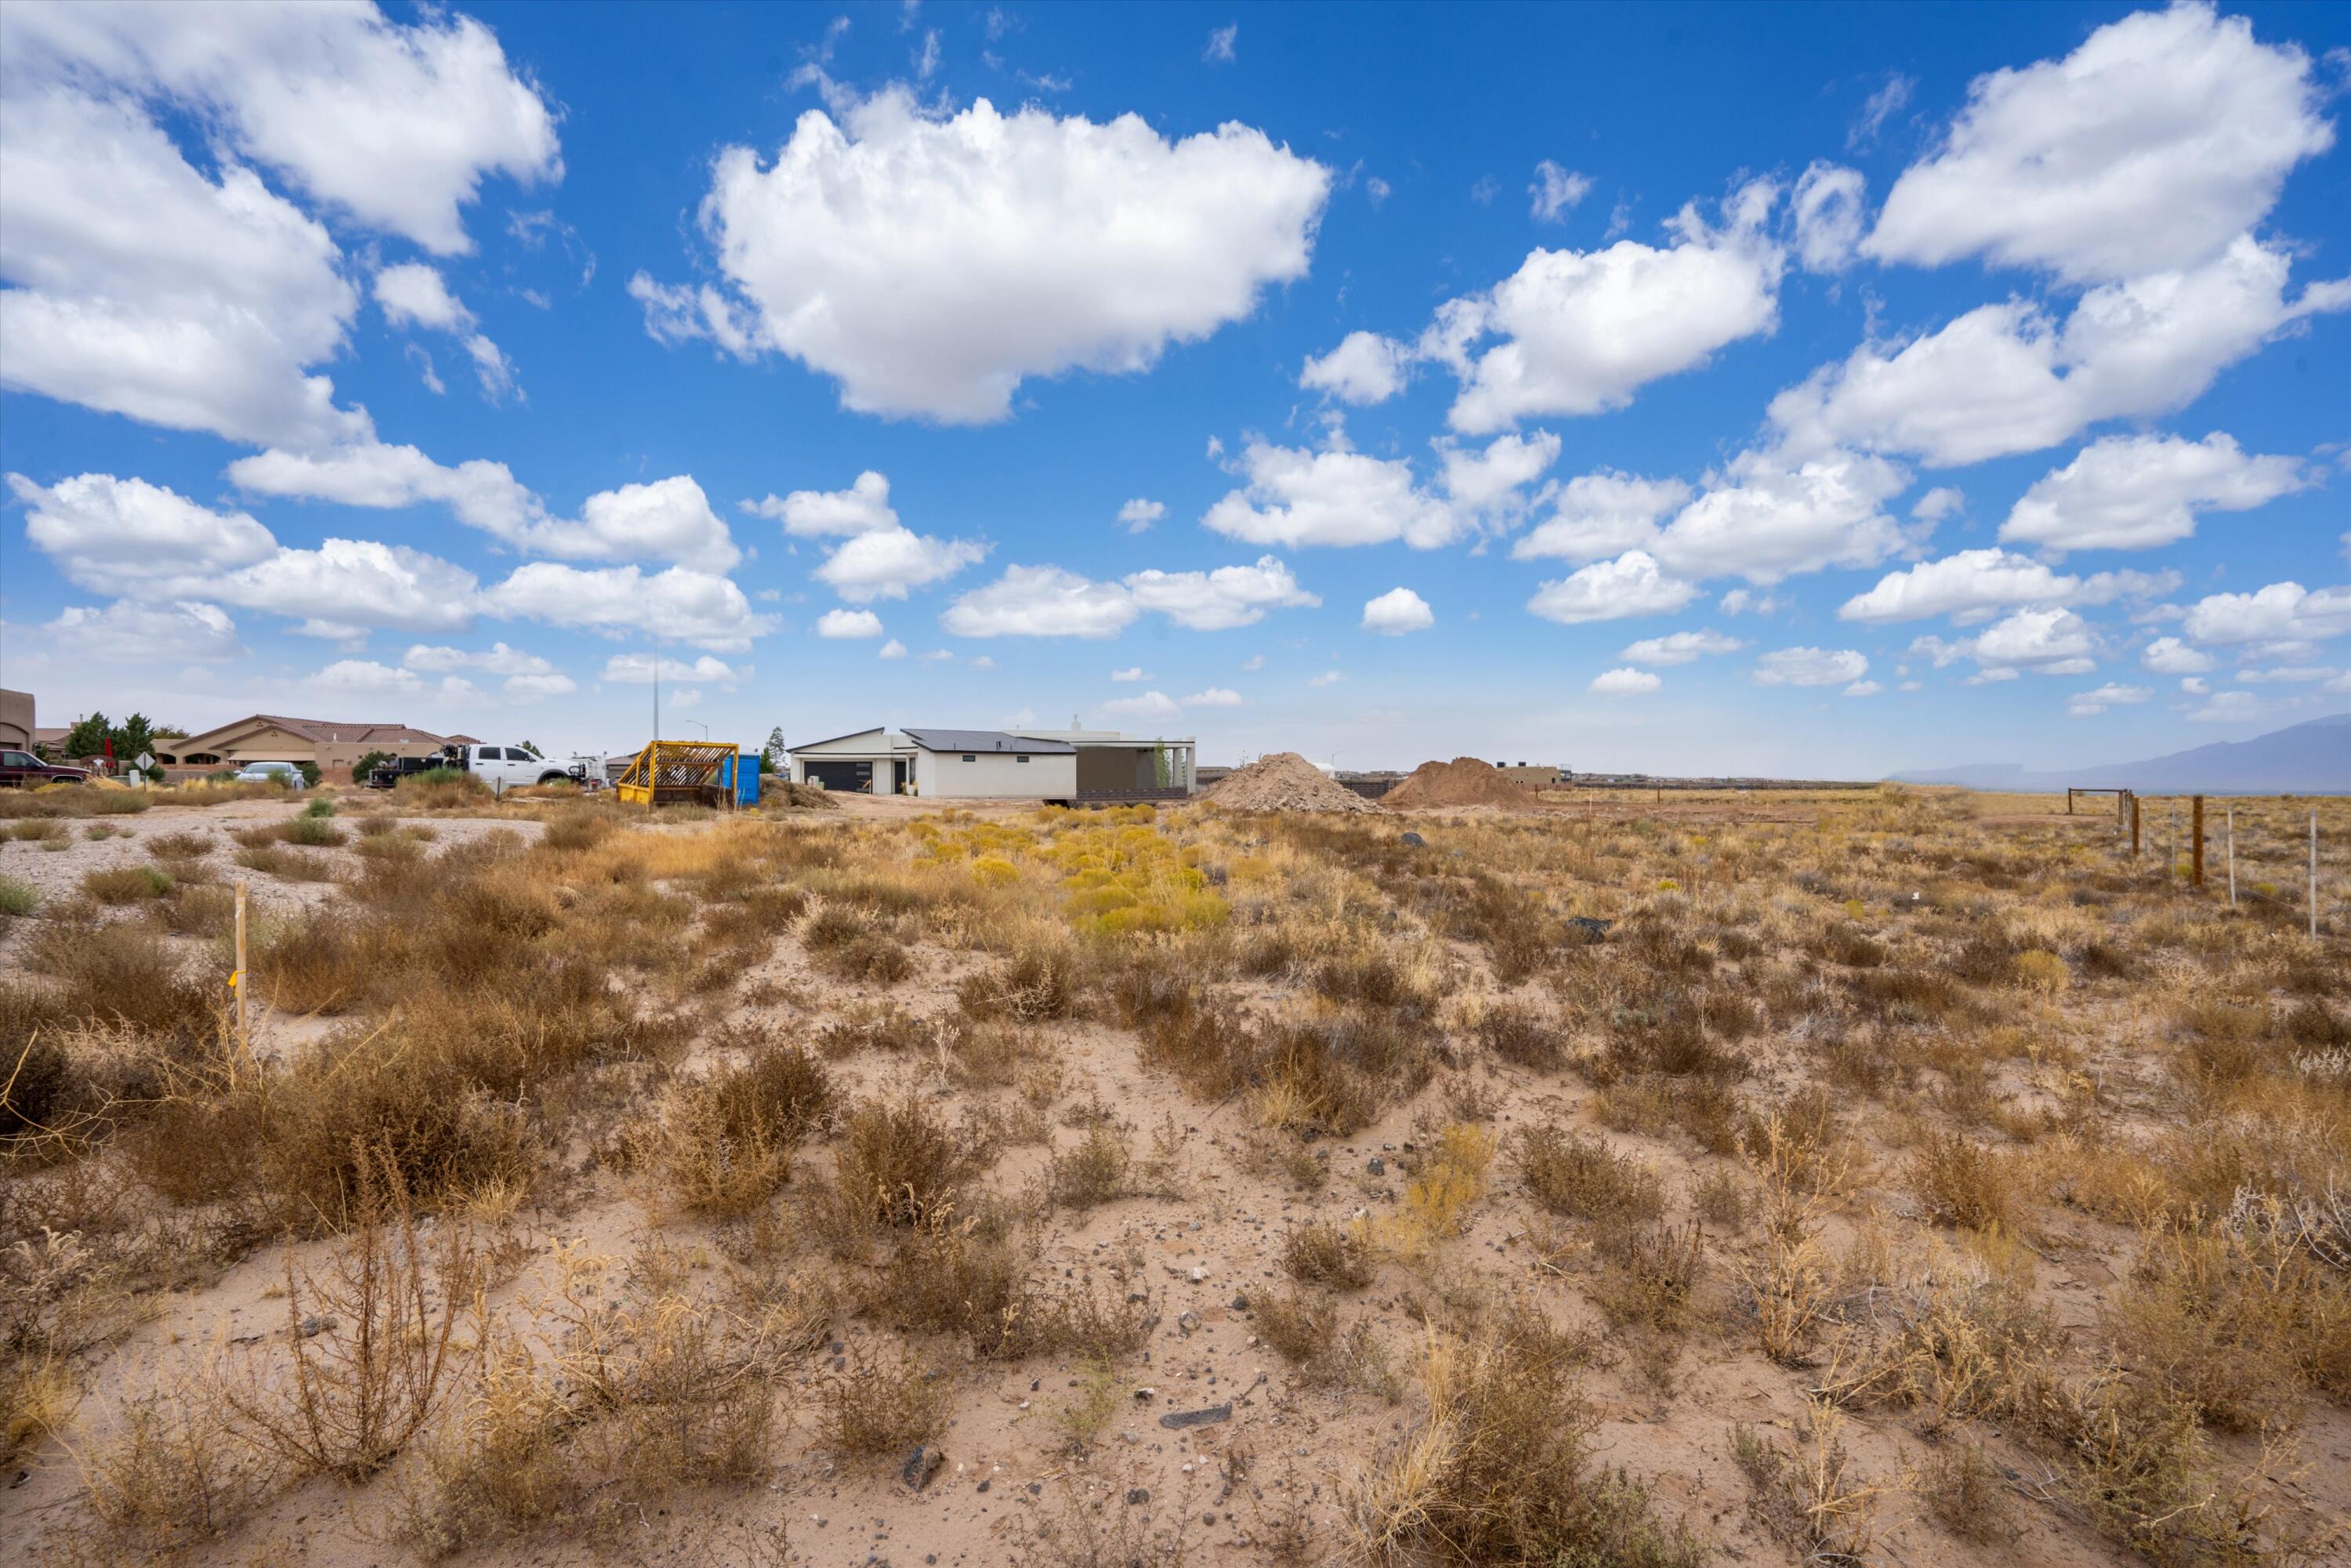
22,768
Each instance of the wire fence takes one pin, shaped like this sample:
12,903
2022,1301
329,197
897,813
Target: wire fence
2281,859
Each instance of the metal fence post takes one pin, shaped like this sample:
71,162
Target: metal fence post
2233,856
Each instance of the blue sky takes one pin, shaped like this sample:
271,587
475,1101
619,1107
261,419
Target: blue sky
1820,390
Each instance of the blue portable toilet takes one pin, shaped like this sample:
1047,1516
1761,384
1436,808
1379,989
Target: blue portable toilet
739,774
747,785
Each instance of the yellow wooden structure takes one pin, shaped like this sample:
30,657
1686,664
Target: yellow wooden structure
678,772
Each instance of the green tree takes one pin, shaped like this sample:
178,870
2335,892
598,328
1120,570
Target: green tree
88,736
369,764
133,736
771,755
534,750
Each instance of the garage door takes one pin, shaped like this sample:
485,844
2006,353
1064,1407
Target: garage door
857,777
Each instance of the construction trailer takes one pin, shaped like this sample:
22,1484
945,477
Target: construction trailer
690,772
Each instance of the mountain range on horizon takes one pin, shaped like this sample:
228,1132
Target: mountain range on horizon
2312,757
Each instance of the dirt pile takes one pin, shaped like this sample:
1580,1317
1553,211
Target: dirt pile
1464,781
1283,781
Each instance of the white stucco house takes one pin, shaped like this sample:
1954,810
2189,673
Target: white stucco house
1075,765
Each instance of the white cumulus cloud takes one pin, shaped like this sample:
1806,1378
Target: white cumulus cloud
1969,585
1041,601
156,635
846,624
2153,145
2170,656
1602,514
1625,683
1329,499
929,262
1218,600
412,293
1296,497
1679,648
1397,611
687,606
2082,705
2136,492
2281,611
1555,190
1826,210
1366,368
1810,667
2010,377
639,670
1631,585
1580,331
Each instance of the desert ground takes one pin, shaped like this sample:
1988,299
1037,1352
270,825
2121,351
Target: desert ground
1893,1175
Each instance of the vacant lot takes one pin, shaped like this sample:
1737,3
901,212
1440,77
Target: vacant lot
1903,1176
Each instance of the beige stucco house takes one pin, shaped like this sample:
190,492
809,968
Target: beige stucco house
333,744
16,719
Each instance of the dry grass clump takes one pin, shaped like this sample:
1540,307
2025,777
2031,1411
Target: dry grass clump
1962,1183
1500,1468
170,1475
1304,1331
625,1406
1036,983
287,866
127,885
865,1027
1812,1495
1447,1181
373,1339
2235,1324
1649,1279
1967,1495
1954,1350
1577,1174
878,1408
973,1279
724,1144
118,975
899,1164
1324,1253
1522,1037
1094,1172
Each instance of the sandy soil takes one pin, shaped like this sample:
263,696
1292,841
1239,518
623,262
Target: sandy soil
1200,1248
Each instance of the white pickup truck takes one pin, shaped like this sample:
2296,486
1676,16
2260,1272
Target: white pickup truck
509,766
501,767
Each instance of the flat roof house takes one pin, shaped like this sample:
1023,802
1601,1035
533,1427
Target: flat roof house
941,763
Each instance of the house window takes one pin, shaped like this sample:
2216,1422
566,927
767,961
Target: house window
967,757
1019,759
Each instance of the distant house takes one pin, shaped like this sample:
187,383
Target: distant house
1534,774
942,764
16,719
334,745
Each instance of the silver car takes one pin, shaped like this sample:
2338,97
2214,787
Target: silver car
284,773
